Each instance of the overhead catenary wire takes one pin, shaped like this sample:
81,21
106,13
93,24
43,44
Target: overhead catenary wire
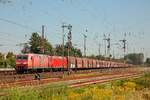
6,37
18,24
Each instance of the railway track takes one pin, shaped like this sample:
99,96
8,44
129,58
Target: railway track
75,81
7,72
107,79
29,79
72,81
8,77
4,79
104,79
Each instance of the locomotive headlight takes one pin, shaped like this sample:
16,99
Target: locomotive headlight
21,63
24,63
18,63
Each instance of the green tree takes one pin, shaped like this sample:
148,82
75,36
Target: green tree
2,60
97,57
48,49
35,43
26,48
59,50
10,59
75,52
72,52
135,58
147,62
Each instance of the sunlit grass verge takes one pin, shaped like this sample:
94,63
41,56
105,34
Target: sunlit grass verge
57,92
127,89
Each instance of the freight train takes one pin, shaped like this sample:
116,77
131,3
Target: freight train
38,62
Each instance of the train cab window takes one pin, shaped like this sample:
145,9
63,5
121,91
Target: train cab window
22,57
19,57
25,57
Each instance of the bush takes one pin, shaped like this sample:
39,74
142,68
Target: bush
17,94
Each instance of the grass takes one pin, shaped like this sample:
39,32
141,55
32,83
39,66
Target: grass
129,89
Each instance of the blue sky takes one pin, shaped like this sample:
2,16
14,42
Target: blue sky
114,17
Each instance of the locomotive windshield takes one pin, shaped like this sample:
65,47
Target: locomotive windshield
22,57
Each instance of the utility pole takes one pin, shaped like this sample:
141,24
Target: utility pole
69,44
105,44
108,45
69,36
63,36
84,44
69,41
99,49
124,45
42,44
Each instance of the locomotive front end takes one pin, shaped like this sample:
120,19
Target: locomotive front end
21,63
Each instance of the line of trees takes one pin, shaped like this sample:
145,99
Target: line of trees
35,42
147,62
135,58
7,60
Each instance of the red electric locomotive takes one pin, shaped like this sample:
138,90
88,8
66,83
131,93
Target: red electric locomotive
26,62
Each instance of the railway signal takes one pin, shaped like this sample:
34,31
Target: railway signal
69,36
69,27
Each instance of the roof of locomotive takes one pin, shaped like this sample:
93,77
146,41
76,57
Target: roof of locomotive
30,54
